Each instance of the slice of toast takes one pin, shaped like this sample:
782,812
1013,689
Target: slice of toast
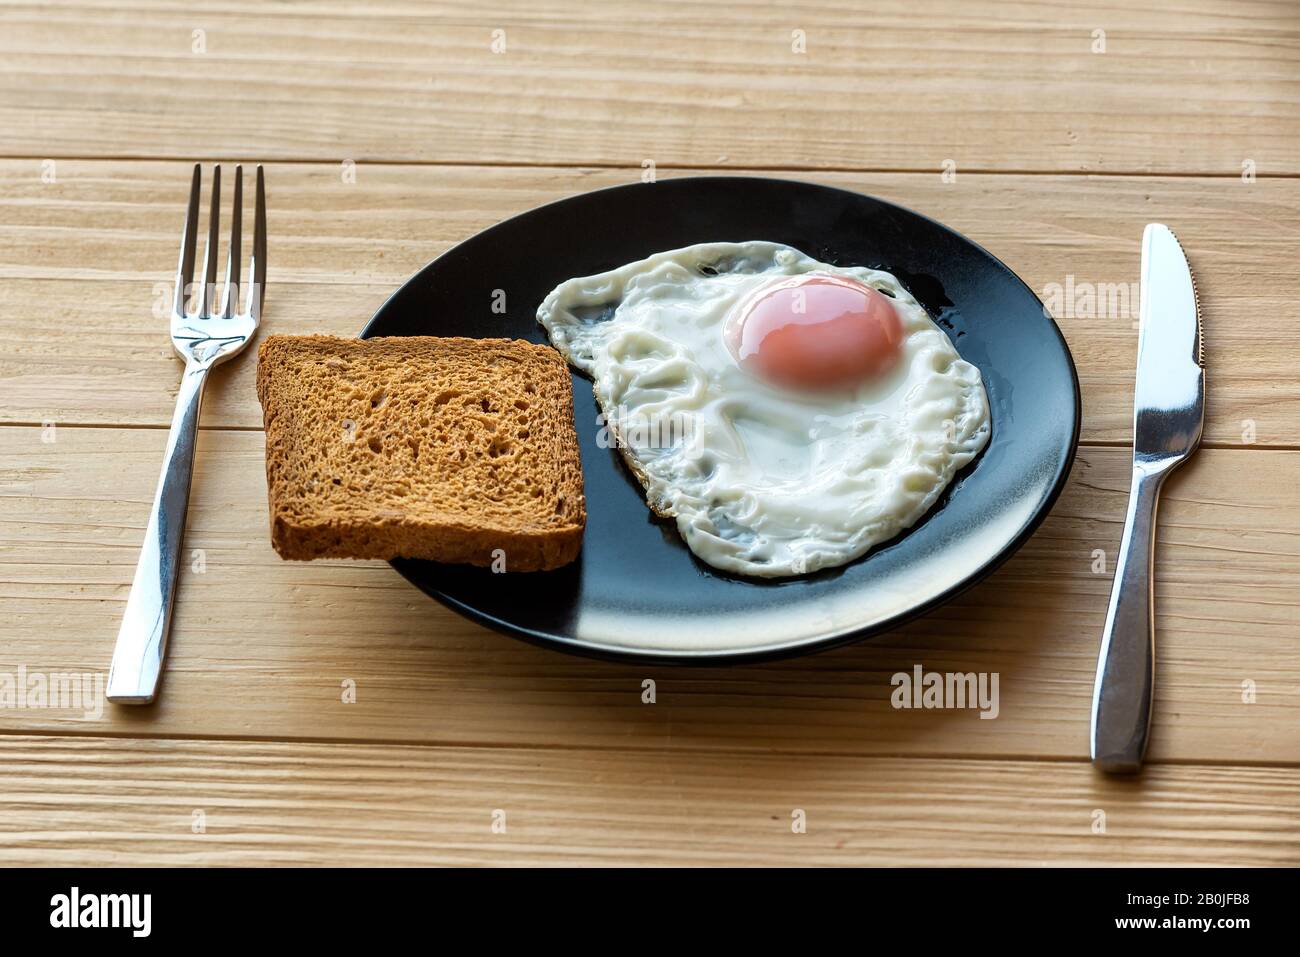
455,450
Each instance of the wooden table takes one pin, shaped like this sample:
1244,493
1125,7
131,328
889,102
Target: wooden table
394,131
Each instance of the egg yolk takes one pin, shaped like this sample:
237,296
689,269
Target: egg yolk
816,332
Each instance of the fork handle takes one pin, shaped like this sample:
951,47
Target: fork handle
142,640
1126,667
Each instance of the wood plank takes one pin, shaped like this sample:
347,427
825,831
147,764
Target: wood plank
78,801
261,647
84,261
1183,85
451,721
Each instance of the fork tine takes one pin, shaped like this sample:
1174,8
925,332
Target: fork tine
257,269
230,295
210,250
185,267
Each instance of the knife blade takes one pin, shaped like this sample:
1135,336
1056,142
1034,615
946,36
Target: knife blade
1168,397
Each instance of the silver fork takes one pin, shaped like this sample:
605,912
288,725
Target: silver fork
203,338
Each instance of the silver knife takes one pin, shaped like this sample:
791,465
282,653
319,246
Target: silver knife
1168,412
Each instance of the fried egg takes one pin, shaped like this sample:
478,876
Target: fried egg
786,413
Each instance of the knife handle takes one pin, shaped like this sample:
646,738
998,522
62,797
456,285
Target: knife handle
1126,667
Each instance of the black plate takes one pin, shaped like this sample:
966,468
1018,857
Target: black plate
637,591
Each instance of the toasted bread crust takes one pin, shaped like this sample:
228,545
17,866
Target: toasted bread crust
454,450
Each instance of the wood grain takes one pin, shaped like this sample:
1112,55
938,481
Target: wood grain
1183,85
108,801
392,132
261,647
87,259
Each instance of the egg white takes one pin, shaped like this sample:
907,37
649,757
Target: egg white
764,481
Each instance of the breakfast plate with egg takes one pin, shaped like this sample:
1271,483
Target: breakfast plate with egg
805,415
